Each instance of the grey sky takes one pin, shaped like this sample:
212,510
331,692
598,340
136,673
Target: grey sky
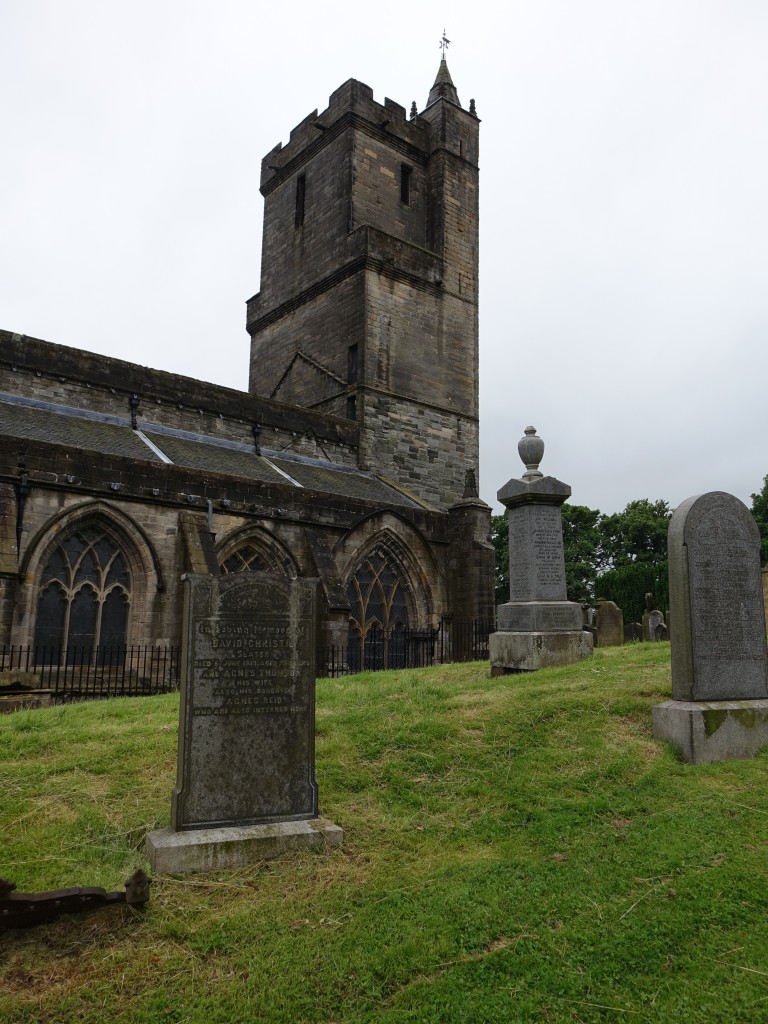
624,205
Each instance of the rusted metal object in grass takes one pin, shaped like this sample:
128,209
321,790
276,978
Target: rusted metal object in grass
26,909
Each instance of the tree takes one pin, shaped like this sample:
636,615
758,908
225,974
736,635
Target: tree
634,557
500,539
760,512
581,546
638,534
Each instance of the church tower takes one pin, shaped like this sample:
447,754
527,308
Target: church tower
368,307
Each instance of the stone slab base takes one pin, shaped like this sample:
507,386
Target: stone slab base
22,701
217,849
716,730
526,652
539,616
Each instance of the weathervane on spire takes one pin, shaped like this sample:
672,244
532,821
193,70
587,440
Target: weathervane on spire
444,44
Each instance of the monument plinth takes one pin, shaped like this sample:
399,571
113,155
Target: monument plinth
539,626
719,706
245,786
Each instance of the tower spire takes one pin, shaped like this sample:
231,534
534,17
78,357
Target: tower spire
443,87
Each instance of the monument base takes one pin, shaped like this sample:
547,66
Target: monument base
218,849
527,652
715,730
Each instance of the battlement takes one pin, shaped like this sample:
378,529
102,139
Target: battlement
352,100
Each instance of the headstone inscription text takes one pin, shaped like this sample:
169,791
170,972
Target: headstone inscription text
536,559
246,734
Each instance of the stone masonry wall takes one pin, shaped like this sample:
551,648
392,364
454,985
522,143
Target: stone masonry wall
424,449
302,356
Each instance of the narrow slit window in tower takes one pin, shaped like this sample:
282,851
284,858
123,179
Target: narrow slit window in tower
352,364
405,184
301,190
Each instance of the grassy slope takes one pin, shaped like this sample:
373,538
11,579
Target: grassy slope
516,850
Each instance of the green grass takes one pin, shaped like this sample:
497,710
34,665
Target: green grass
516,849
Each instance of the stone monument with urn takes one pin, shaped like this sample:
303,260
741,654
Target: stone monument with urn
539,627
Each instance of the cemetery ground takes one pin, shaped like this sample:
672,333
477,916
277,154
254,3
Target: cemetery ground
516,849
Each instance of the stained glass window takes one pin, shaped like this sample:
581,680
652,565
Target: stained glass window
84,598
378,614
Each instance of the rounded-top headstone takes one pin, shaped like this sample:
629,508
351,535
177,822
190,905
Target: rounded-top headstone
531,451
716,601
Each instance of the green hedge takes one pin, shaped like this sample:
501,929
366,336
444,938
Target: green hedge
628,585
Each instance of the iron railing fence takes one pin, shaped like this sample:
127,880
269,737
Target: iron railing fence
83,671
405,648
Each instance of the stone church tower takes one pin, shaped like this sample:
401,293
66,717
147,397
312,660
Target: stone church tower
351,459
368,307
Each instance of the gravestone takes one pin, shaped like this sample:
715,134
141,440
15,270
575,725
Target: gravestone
610,624
539,626
657,627
719,706
245,786
633,631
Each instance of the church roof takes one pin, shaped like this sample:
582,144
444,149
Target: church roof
443,87
201,454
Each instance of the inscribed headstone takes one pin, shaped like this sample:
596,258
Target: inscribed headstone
657,628
247,717
610,624
718,648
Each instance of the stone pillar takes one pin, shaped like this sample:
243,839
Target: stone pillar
470,569
539,626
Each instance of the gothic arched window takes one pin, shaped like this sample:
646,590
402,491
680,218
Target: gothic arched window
244,558
378,614
85,594
257,553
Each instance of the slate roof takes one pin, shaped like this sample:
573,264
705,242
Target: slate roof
108,435
42,424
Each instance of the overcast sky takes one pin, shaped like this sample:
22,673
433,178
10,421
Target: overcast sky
623,204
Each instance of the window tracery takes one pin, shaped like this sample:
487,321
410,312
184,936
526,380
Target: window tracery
244,559
84,597
378,623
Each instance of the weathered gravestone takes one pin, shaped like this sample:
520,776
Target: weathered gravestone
719,706
657,627
610,624
633,631
245,786
539,626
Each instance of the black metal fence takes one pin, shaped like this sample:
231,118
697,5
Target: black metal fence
82,672
407,648
90,672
